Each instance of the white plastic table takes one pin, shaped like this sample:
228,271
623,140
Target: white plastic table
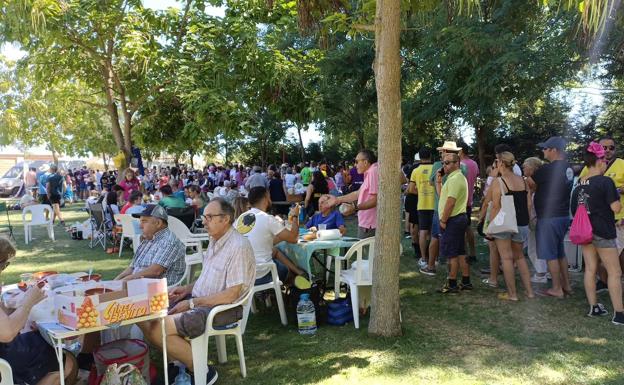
58,332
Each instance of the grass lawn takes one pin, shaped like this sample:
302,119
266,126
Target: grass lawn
469,338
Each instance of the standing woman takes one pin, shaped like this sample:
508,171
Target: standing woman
494,257
602,201
529,167
32,359
316,188
510,245
129,183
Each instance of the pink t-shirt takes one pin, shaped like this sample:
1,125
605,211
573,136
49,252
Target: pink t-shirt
472,172
368,218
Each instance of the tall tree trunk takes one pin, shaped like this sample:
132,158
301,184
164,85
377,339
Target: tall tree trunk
480,134
104,160
191,155
301,148
385,306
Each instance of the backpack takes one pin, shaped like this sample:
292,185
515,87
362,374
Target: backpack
581,232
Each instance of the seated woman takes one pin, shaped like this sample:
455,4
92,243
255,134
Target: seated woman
32,359
327,216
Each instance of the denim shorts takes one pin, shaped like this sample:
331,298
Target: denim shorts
602,243
549,235
520,237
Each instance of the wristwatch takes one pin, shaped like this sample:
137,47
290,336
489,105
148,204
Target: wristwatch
191,304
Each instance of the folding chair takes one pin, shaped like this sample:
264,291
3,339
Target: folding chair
99,232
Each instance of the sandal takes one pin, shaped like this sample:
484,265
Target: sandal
505,297
486,281
547,293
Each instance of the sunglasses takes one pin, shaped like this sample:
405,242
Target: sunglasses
447,162
610,148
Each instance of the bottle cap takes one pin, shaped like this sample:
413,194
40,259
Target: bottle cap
304,297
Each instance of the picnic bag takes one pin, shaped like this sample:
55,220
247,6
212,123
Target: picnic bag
123,351
581,231
505,220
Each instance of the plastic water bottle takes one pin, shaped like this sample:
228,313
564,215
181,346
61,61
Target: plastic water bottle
306,316
301,214
183,377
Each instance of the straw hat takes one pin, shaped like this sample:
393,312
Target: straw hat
449,146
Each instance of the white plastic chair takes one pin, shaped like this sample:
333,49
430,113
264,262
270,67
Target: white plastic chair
199,345
6,373
190,240
275,285
128,231
38,218
359,274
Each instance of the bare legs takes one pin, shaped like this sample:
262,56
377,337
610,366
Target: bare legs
611,263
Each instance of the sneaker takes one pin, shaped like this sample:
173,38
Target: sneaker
465,286
601,287
597,310
618,318
427,271
486,282
539,278
446,289
212,376
422,263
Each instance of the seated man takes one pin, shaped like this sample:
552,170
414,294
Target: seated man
264,230
228,272
168,200
160,254
332,219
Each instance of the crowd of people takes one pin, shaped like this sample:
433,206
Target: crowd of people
529,208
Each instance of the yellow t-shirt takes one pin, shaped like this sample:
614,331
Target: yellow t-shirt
420,177
456,186
616,173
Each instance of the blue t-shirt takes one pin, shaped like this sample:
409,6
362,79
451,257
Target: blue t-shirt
333,221
179,194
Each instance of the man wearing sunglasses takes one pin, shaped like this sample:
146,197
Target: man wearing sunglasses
453,222
615,171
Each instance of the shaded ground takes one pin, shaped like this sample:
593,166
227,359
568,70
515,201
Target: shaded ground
469,338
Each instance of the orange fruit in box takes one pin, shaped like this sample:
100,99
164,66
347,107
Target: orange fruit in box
158,302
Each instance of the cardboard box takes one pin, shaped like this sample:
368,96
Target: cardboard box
125,300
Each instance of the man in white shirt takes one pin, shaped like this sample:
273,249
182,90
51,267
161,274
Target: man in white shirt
263,231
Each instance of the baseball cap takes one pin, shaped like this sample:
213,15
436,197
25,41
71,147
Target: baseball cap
155,211
553,142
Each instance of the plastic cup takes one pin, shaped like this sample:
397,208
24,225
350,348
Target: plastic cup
322,227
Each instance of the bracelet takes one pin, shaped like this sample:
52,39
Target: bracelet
355,205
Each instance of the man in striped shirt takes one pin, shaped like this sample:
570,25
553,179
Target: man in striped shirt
228,273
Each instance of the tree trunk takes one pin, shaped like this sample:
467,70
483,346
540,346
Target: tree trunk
301,148
191,155
385,305
104,160
480,134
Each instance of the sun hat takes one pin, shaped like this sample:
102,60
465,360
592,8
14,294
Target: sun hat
449,146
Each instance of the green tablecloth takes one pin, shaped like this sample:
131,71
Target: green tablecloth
301,252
